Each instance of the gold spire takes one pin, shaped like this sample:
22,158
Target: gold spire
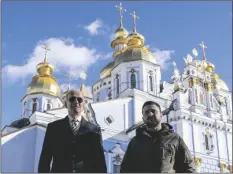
86,94
203,46
121,9
134,20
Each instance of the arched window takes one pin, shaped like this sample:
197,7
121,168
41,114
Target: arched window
151,82
206,143
117,84
196,96
211,100
34,105
226,102
133,80
190,97
48,106
98,97
201,98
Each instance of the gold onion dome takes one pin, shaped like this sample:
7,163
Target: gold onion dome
134,54
120,37
135,39
120,32
218,82
43,82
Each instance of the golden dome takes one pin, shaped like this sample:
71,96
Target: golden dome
120,32
120,35
135,39
44,82
218,83
134,54
106,71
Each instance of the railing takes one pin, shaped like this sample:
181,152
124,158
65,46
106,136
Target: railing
123,86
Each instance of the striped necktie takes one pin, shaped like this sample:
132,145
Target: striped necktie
74,127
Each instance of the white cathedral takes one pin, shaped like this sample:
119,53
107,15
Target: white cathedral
202,116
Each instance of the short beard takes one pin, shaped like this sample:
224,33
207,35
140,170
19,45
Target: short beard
151,125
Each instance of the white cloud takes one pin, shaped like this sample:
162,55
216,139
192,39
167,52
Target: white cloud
162,57
64,56
94,28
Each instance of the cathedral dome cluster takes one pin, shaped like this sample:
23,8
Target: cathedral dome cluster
128,47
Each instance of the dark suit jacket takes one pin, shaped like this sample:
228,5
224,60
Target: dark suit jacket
72,153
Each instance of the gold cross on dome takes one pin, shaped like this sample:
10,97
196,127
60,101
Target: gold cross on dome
45,47
134,20
121,9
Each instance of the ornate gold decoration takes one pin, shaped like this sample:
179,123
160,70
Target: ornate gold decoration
208,86
197,161
222,166
44,82
194,81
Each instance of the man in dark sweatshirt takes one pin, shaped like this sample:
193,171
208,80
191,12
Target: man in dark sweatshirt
156,148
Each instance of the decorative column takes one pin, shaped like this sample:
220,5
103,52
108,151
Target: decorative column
197,162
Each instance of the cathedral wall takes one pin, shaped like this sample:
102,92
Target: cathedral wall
187,134
210,165
229,138
114,110
18,153
40,133
138,110
179,128
222,144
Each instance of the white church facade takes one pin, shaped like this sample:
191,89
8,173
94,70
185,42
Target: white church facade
202,116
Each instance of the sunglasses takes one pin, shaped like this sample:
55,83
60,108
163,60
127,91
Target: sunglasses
79,99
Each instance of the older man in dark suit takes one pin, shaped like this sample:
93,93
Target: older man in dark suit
72,144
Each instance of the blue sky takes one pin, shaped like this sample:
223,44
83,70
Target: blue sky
79,35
